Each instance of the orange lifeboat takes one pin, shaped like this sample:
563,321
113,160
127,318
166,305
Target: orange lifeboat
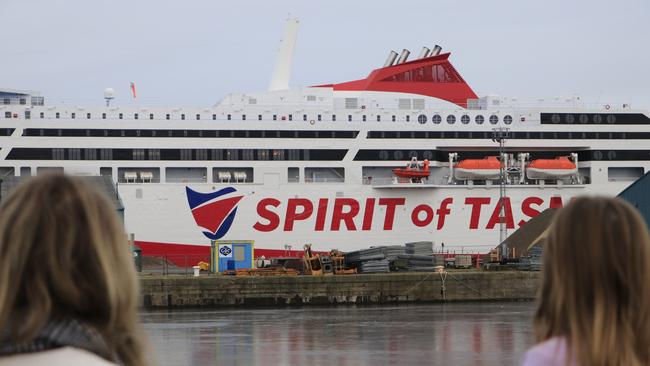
559,167
486,168
413,170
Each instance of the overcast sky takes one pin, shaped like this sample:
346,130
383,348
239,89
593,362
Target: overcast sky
193,52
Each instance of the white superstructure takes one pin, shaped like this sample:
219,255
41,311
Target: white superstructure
314,164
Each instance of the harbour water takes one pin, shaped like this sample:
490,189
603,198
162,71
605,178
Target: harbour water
435,334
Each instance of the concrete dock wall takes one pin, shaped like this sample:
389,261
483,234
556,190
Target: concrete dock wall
221,291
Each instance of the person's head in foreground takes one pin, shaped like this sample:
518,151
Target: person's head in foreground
594,306
68,290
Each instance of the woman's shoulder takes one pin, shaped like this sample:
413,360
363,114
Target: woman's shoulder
552,351
61,356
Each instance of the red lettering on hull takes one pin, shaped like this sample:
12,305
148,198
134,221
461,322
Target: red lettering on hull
477,203
528,210
348,216
346,210
428,215
367,214
294,215
272,218
505,218
391,204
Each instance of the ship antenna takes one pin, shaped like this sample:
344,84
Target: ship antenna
282,69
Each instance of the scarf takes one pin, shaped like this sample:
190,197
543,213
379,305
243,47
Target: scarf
57,334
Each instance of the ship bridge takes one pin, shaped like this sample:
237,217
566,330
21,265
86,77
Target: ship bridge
20,97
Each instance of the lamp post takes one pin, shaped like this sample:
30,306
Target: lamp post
500,134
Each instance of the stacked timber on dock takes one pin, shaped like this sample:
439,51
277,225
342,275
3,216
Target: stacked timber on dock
412,257
419,248
377,266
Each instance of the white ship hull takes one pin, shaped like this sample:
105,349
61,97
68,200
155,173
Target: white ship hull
343,216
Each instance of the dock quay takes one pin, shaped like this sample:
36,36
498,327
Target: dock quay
213,291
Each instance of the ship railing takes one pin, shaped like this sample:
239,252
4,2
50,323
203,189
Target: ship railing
384,181
441,181
186,180
324,180
171,264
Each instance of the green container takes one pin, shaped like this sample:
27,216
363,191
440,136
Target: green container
137,258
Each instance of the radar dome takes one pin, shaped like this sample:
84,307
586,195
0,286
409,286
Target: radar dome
109,93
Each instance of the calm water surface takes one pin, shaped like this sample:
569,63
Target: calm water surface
438,334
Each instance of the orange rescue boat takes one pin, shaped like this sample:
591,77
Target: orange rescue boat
414,170
487,168
559,167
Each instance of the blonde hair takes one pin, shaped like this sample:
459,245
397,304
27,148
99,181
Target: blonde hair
64,254
596,283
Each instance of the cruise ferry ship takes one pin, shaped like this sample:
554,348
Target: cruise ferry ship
408,153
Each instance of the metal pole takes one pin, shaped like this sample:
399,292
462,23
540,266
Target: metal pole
500,135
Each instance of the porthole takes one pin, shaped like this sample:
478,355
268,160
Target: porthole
427,155
583,118
383,155
598,155
507,119
479,119
464,119
611,155
569,118
436,119
494,119
555,118
413,154
598,118
611,119
422,119
451,119
398,155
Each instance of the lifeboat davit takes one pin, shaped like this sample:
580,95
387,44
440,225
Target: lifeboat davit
470,169
413,170
551,168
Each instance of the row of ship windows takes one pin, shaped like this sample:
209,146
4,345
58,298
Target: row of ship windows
546,118
422,118
175,154
7,101
181,174
442,156
287,154
522,135
594,118
465,119
74,132
569,135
